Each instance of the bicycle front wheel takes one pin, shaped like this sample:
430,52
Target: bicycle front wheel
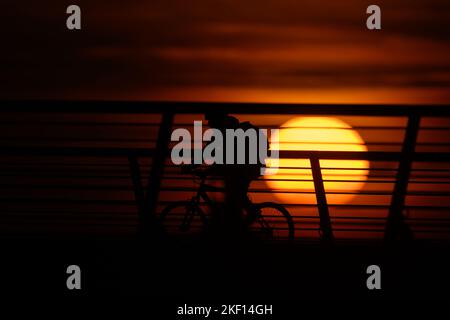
272,222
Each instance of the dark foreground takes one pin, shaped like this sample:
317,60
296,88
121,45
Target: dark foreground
189,270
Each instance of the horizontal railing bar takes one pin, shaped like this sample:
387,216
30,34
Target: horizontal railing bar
337,155
290,191
131,215
35,138
22,200
122,166
84,174
13,122
356,155
125,164
78,123
139,107
77,151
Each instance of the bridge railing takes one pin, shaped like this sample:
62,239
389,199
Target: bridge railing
147,197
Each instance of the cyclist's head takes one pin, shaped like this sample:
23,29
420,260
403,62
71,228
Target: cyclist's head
216,119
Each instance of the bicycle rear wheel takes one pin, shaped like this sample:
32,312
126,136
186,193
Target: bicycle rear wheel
183,217
272,222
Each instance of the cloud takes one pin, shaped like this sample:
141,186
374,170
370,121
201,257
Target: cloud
128,48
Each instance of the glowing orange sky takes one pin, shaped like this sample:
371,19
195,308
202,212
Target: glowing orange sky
284,51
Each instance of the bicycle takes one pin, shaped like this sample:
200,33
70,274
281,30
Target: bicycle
266,220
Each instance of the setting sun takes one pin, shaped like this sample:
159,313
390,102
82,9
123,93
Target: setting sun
293,181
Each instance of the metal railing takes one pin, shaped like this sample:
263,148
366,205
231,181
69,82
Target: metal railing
147,196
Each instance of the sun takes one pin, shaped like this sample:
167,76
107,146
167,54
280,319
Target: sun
293,183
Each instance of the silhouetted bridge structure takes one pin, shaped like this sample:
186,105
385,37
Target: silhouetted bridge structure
87,166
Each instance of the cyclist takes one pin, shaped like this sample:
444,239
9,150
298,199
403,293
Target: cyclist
236,177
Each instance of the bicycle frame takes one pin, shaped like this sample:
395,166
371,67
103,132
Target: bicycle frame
195,202
202,193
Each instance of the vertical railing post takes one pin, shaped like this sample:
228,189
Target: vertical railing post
395,224
148,221
138,189
325,221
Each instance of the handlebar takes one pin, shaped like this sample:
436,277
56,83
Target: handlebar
202,174
193,169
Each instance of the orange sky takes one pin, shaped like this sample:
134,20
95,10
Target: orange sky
285,51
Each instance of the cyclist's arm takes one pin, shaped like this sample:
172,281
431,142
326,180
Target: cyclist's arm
210,170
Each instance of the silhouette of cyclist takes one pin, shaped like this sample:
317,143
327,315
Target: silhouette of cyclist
236,177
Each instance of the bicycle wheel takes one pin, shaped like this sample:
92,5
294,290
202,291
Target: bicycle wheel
272,222
183,217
